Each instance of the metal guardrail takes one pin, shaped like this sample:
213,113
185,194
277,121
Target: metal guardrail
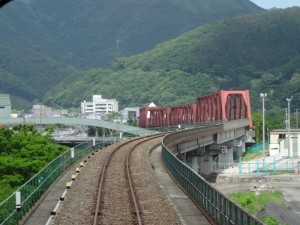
221,209
33,189
268,165
186,126
78,121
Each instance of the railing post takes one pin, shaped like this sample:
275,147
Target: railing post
249,167
72,153
18,200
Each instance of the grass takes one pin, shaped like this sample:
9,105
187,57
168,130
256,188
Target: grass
281,172
253,204
250,156
152,165
269,220
253,155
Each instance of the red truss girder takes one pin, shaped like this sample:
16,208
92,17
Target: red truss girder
221,105
151,117
183,114
224,105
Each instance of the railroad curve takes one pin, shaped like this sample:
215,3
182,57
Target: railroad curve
115,204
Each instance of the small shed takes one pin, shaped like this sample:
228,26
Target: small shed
285,142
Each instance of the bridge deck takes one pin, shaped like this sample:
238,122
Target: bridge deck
78,121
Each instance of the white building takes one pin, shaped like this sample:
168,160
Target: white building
99,106
281,143
131,112
5,106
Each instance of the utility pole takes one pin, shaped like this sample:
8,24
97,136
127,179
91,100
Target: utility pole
297,118
263,95
118,42
289,124
286,118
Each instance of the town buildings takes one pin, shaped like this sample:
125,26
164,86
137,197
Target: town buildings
99,106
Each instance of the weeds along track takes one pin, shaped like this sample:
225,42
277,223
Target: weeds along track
121,189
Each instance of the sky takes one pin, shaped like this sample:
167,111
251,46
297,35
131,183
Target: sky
267,4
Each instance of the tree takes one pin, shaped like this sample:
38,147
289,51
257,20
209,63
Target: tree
132,121
23,152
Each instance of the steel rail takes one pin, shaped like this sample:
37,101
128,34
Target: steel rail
104,170
102,178
129,178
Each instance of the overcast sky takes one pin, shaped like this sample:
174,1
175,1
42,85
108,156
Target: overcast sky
267,4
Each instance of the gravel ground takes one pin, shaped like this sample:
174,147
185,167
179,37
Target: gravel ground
80,201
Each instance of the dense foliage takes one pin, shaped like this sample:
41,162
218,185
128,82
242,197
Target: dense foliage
106,29
254,203
257,52
23,153
40,39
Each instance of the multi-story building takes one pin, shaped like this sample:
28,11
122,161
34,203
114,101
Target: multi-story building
99,106
44,111
5,106
41,111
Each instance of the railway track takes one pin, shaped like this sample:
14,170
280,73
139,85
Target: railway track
119,190
126,190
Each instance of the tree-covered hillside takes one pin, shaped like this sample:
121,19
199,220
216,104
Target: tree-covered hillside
40,39
95,32
27,75
257,52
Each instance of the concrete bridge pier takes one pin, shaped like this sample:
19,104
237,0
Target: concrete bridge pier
214,158
212,150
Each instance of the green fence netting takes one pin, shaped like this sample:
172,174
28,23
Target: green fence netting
33,189
220,209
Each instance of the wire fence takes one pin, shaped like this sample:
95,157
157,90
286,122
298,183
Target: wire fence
266,165
271,164
258,147
19,203
221,209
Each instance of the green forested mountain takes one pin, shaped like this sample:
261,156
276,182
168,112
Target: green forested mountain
40,39
27,75
94,32
258,52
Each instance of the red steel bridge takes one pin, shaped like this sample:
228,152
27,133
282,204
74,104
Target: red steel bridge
218,106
